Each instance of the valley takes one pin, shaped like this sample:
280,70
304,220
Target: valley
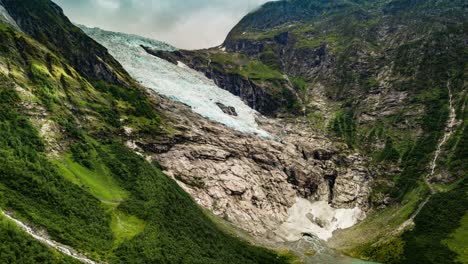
318,132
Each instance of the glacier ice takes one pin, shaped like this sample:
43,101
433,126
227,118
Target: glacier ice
177,82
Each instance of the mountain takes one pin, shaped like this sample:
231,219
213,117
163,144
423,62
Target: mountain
45,22
65,107
388,79
341,129
248,169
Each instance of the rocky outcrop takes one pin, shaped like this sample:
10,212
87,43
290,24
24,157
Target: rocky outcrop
227,109
252,181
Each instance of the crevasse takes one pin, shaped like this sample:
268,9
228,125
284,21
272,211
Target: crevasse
176,81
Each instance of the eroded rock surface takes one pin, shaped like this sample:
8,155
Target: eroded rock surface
252,181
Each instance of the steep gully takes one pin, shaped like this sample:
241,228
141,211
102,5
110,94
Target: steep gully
433,166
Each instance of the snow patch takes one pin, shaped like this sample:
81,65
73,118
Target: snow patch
182,65
178,82
318,219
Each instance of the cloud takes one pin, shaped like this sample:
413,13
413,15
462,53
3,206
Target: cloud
186,24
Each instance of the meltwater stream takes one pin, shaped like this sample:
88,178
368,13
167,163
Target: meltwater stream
176,81
47,241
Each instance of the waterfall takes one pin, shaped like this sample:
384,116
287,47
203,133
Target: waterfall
433,165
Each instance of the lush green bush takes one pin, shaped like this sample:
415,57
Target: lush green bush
344,126
82,153
389,153
389,252
138,101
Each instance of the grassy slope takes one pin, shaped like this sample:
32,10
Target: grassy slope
97,196
377,226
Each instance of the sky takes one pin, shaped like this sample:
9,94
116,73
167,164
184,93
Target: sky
186,24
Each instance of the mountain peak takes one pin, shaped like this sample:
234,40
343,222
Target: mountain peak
45,22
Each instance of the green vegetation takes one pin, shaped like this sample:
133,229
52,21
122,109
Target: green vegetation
390,251
441,217
45,23
458,240
18,247
97,181
389,153
32,186
248,68
266,77
370,239
344,126
270,59
125,227
439,235
256,70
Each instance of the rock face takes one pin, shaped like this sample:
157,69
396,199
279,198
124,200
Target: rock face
251,181
227,109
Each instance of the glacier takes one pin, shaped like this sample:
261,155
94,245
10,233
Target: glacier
177,82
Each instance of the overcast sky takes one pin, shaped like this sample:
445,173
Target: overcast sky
188,24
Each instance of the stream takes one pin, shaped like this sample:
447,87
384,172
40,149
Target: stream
433,166
45,240
313,250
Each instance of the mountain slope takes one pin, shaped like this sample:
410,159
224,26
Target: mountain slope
45,22
63,163
18,247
